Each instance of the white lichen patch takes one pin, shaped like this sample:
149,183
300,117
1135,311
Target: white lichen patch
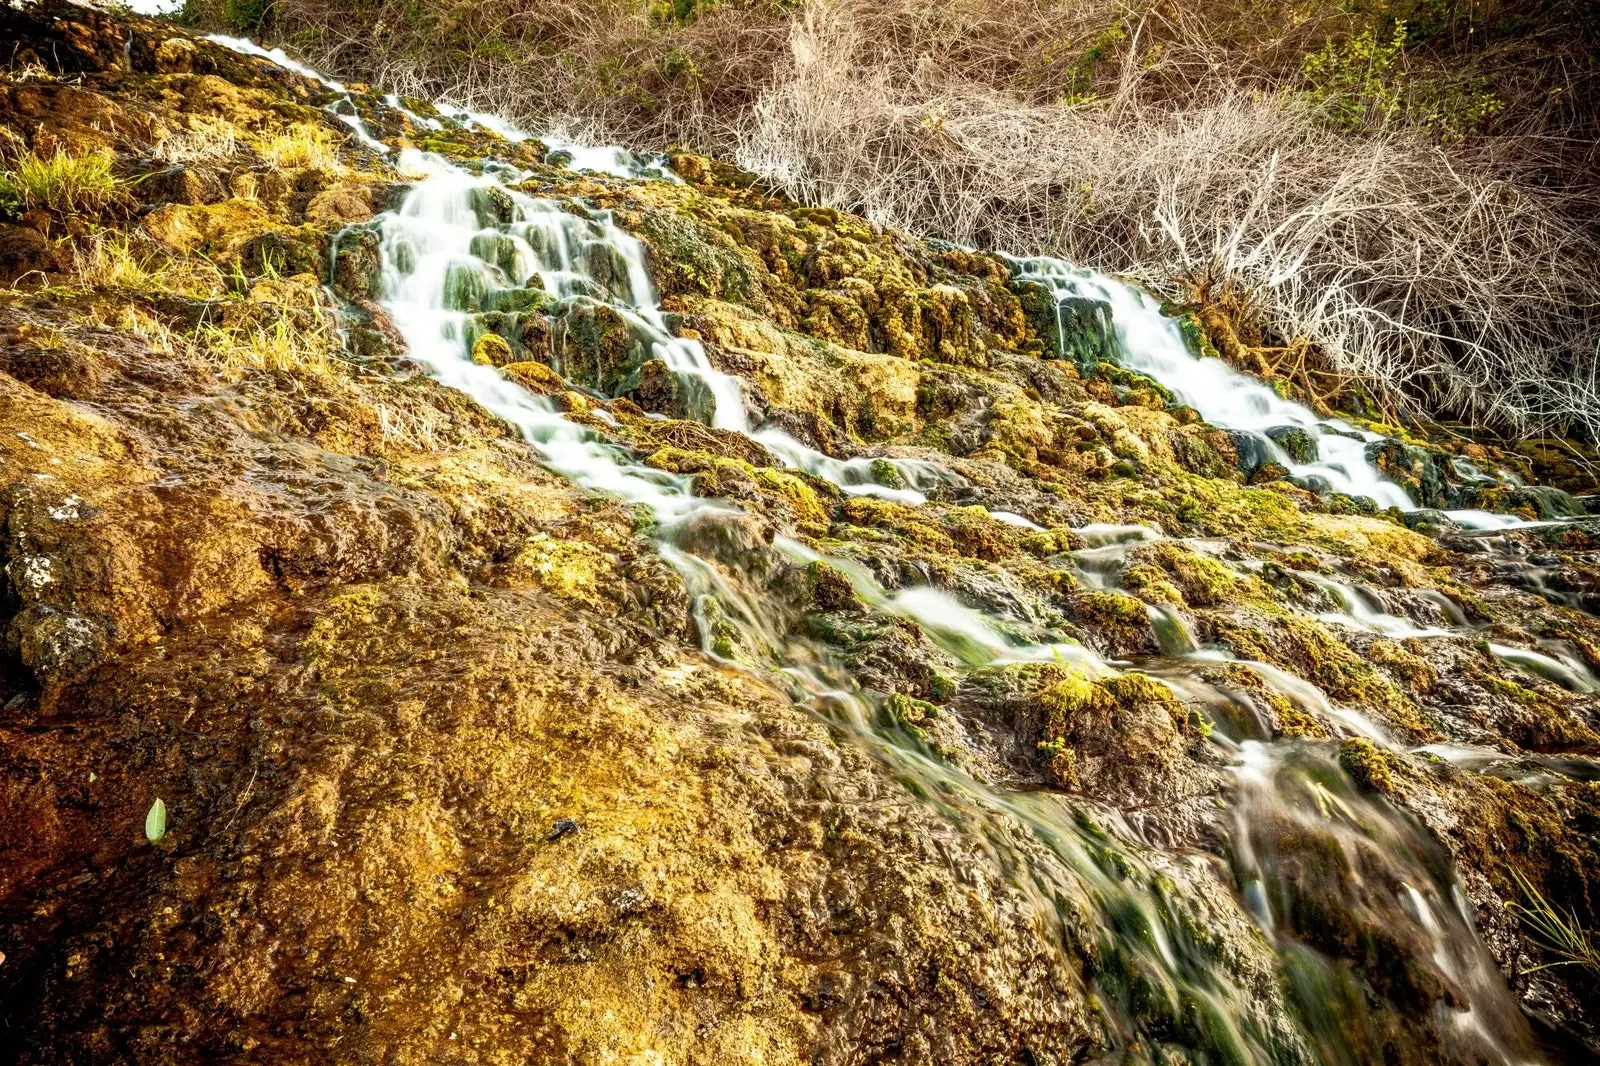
31,573
68,509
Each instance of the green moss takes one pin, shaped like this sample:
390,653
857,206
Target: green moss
830,588
1150,584
1366,764
914,715
911,525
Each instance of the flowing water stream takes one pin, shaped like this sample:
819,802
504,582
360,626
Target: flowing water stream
1094,885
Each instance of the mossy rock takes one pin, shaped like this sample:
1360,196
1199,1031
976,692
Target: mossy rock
491,349
831,590
357,268
596,347
281,254
1420,472
1119,734
535,377
688,256
1299,445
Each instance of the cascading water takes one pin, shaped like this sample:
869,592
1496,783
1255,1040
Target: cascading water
1153,343
459,235
429,245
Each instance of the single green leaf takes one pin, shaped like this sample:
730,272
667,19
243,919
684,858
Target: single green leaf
155,823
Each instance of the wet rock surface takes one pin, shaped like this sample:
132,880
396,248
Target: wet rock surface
459,768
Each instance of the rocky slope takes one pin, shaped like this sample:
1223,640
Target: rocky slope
458,769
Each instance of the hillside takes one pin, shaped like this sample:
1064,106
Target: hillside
1394,199
480,597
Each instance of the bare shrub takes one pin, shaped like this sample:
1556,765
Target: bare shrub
1443,277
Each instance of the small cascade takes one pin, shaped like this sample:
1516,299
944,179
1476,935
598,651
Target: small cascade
1322,454
1357,610
1174,636
1310,850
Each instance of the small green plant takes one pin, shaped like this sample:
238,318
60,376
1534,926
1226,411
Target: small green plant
69,184
1557,931
1362,81
250,16
155,822
1355,82
1070,65
681,12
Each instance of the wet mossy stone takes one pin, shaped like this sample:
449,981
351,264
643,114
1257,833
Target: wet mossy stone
1202,453
885,473
366,345
1253,451
1340,503
1366,764
518,301
605,264
1550,503
285,256
497,249
493,206
394,197
1429,522
830,588
357,264
1132,386
1418,471
1075,327
506,328
596,347
1313,483
1297,444
658,389
467,283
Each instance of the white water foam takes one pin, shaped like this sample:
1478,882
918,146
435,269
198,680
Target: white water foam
1152,343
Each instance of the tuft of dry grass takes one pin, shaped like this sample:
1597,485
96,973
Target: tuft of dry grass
301,145
284,345
113,259
205,142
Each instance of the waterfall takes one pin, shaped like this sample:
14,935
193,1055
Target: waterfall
458,233
428,248
1153,344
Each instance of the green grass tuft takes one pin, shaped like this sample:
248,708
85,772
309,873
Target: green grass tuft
69,184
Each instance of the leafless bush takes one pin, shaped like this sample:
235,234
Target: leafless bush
1458,287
